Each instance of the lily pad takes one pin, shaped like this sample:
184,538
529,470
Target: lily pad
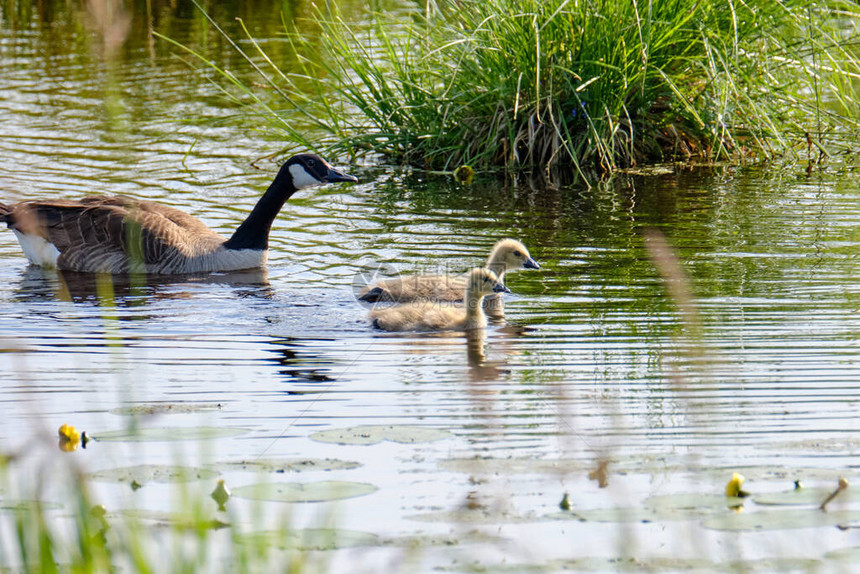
182,520
684,506
780,520
781,564
311,539
600,564
421,541
474,516
694,502
613,515
169,434
28,505
789,475
165,409
819,445
304,491
375,434
514,465
653,564
656,564
290,465
144,473
804,495
850,555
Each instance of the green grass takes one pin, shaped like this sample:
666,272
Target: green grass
79,535
591,86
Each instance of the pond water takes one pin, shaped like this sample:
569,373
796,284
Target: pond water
595,387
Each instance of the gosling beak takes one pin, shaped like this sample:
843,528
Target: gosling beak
335,175
531,264
499,288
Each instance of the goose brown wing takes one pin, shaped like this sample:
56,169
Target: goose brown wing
109,233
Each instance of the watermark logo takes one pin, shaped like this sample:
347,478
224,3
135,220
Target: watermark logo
366,282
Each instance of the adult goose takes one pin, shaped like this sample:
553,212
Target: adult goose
118,234
442,315
506,255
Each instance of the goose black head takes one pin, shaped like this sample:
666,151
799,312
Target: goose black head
308,170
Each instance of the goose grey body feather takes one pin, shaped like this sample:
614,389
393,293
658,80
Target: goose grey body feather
119,234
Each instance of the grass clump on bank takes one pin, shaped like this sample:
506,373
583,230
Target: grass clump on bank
589,85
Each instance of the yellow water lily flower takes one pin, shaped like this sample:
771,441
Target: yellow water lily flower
733,488
67,446
70,438
69,433
464,174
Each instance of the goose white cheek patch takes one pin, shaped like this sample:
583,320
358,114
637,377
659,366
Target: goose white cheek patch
301,178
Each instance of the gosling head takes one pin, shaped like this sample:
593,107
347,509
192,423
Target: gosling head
484,282
510,254
308,170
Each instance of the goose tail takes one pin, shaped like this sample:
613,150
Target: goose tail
375,295
5,213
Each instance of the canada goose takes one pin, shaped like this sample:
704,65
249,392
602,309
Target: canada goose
507,255
443,315
118,234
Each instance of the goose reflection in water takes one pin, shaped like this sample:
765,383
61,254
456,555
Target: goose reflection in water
482,369
299,364
46,285
487,352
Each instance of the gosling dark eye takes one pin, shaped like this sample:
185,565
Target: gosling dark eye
517,254
486,279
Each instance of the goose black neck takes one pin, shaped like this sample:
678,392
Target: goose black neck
253,233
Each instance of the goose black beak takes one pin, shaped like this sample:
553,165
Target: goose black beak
531,264
335,176
499,288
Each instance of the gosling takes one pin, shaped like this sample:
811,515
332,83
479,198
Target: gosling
507,255
426,315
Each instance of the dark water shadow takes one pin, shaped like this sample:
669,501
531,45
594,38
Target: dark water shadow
299,361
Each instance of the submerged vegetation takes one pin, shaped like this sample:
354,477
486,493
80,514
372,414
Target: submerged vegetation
593,86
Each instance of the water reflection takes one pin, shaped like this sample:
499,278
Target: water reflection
297,361
46,285
480,368
474,356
